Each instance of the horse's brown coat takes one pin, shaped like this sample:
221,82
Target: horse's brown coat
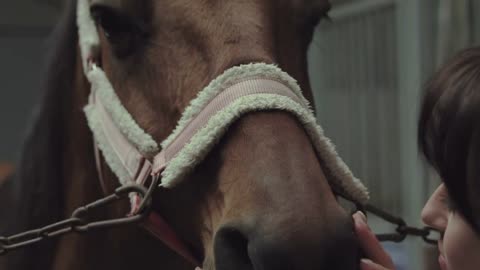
263,181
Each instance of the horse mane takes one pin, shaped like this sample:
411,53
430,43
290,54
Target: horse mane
32,197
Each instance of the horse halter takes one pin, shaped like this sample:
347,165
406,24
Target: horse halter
239,90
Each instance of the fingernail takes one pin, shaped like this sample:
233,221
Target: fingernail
366,261
360,223
360,217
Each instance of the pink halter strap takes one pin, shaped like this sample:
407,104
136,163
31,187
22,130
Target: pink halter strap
140,168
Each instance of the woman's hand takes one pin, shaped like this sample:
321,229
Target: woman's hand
377,257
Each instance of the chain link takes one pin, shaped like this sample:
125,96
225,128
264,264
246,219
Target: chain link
402,230
79,222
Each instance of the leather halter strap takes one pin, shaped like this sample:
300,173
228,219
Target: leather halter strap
141,168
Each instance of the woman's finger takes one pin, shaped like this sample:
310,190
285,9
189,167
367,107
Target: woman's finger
370,244
366,264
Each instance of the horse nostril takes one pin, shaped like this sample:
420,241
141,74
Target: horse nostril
280,248
231,250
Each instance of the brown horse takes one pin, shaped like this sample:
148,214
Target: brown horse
260,200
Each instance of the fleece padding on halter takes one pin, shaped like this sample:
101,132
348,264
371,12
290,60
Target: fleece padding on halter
202,142
105,112
87,34
205,138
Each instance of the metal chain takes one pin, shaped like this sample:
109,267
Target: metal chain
79,222
402,230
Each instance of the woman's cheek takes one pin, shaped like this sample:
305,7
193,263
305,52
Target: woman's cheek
461,245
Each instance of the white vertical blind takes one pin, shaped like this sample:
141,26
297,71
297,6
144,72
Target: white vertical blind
476,21
353,69
367,69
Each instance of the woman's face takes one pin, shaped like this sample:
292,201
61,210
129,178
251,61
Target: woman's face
459,246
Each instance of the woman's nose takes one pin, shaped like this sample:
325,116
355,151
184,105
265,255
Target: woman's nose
435,211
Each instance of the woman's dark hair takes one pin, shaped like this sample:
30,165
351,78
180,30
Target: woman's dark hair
449,130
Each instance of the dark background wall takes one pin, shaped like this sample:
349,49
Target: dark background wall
24,28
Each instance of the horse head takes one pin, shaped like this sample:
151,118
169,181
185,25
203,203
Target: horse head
260,198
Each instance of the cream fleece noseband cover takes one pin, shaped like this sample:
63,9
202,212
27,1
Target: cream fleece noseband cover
239,90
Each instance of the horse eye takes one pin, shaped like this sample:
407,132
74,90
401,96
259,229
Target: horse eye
121,31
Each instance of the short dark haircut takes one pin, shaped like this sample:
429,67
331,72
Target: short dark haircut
449,130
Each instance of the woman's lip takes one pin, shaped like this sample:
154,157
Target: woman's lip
442,262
